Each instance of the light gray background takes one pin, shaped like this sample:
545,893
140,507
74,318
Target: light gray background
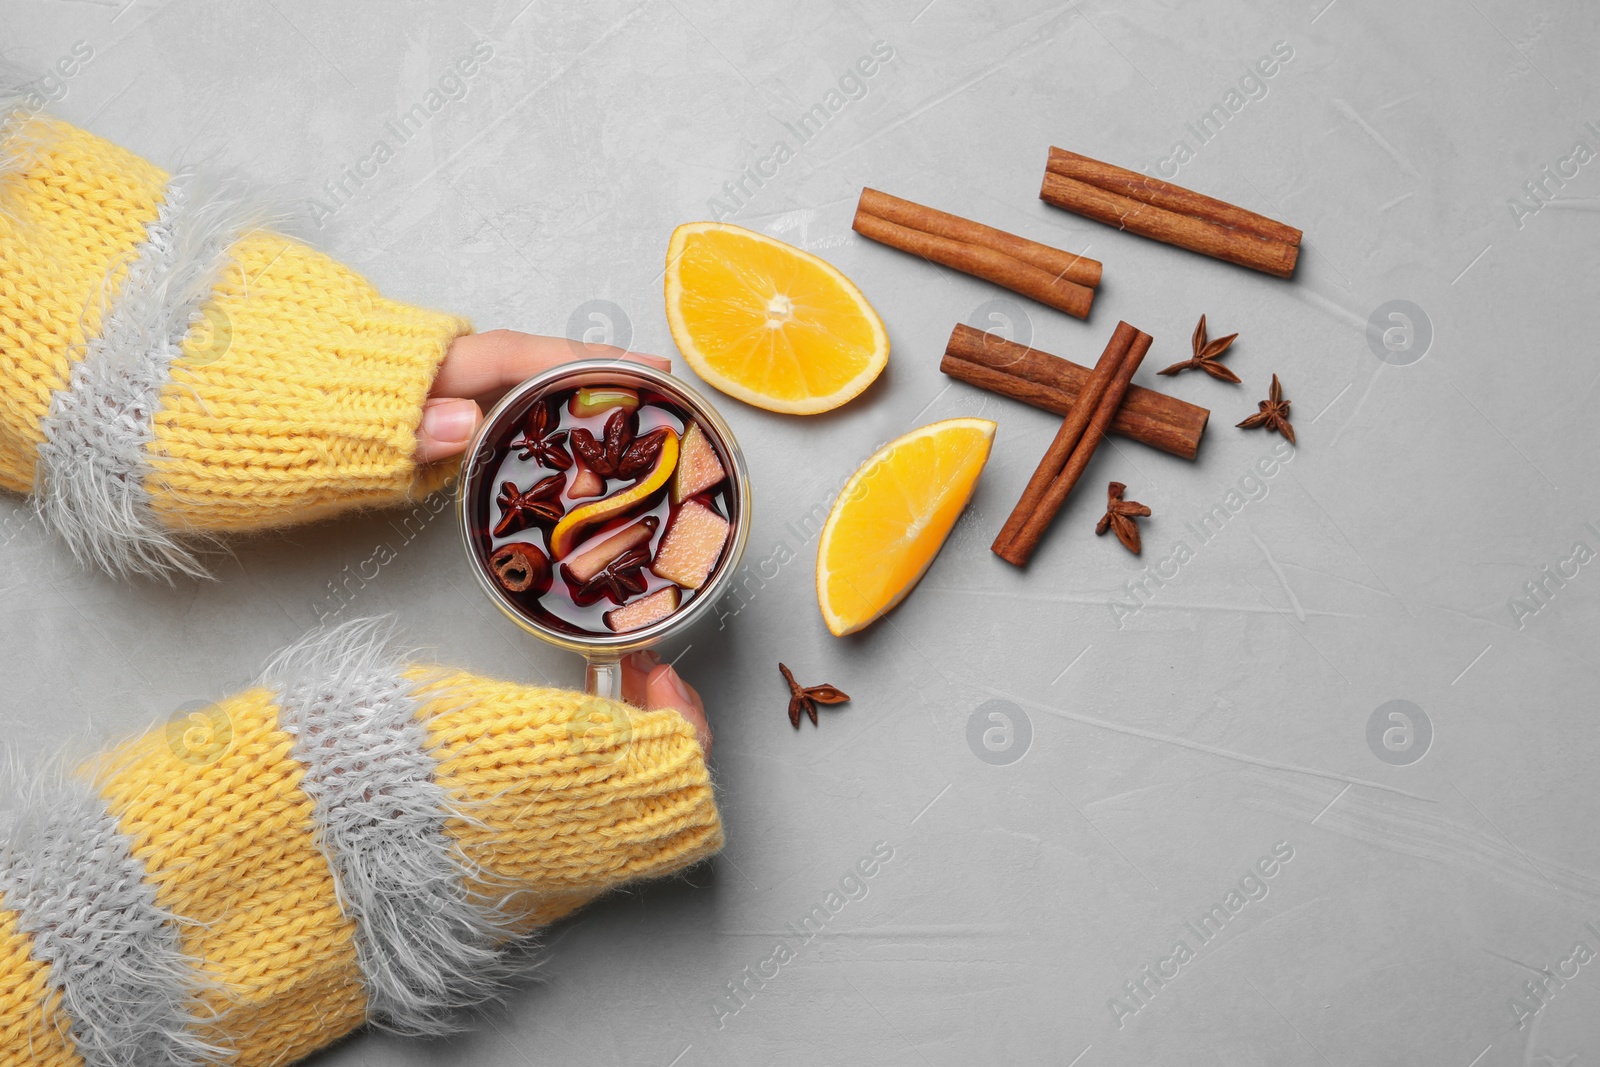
1168,754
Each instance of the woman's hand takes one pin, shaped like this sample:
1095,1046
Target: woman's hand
480,367
650,684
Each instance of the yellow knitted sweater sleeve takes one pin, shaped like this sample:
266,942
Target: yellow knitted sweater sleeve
355,840
171,367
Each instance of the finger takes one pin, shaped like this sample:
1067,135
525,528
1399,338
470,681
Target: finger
636,667
681,690
668,690
447,426
481,364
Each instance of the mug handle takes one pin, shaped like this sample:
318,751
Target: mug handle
603,676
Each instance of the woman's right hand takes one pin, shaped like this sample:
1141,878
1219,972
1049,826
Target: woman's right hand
650,684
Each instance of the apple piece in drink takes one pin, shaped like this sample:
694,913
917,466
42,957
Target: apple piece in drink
585,484
602,399
583,565
640,613
698,466
691,546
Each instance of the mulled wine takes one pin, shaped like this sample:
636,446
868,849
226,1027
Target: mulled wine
602,509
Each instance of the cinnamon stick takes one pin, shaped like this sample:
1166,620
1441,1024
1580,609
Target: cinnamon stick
1053,277
1169,213
1054,384
1162,194
1062,264
1035,522
1066,439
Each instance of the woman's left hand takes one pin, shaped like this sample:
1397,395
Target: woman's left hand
650,684
478,370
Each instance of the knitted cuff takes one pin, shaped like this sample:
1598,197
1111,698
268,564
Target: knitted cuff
297,395
356,840
569,795
173,368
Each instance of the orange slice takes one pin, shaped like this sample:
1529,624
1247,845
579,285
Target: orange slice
767,323
564,538
892,517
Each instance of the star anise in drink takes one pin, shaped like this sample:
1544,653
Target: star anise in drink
1119,517
805,698
519,510
541,442
617,454
618,580
1274,413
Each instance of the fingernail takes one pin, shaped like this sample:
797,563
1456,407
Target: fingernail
680,688
449,421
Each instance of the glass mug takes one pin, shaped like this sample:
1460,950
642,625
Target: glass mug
476,508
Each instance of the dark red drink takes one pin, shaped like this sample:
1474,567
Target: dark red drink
603,509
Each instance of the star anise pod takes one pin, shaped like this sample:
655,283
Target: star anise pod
1274,413
519,510
1206,354
539,441
805,698
618,580
641,456
619,455
1119,517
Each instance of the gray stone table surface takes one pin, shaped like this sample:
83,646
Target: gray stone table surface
1067,771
